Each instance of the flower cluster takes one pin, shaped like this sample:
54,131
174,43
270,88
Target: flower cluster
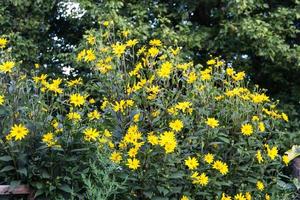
171,125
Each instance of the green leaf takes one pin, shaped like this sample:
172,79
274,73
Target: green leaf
5,158
163,190
148,194
79,150
14,184
66,188
22,171
7,168
38,193
225,140
177,175
284,185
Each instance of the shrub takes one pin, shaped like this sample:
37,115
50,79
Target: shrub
49,133
182,130
173,129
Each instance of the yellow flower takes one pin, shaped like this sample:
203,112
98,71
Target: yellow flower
221,167
90,134
168,141
184,198
105,23
125,33
260,185
55,124
133,163
259,156
2,99
285,159
209,158
211,62
7,66
111,145
9,137
94,115
116,157
175,51
192,77
19,132
239,196
42,78
259,98
285,117
255,118
153,52
122,105
272,153
81,55
104,104
107,133
133,135
133,152
92,101
206,74
248,196
141,50
153,139
74,116
201,179
212,122
136,117
165,70
3,42
119,49
90,55
267,197
225,197
155,42
183,106
54,86
230,71
176,125
247,129
191,163
77,99
152,92
261,127
239,76
48,138
91,39
131,43
75,82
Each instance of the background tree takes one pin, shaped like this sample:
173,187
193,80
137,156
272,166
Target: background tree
262,37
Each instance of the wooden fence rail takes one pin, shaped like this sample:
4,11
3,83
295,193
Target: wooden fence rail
21,190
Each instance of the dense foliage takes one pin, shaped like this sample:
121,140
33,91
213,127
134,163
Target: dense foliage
32,120
159,126
155,104
261,37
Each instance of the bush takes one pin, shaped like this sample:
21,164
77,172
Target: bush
173,129
181,130
44,140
